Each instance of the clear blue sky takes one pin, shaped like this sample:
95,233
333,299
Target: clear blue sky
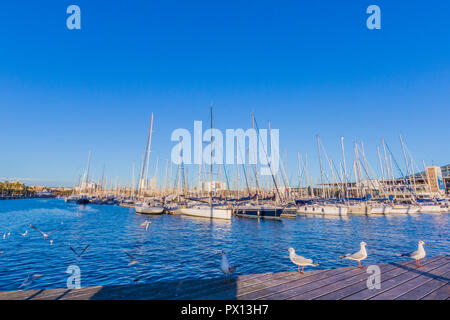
309,67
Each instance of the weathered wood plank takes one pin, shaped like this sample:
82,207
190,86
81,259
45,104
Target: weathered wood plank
443,293
412,283
272,288
229,291
395,281
241,291
426,288
358,280
386,274
296,288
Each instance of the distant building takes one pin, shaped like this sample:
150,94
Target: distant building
215,186
435,180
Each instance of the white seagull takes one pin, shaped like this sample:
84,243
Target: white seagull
146,224
24,234
358,256
45,234
225,266
418,254
300,261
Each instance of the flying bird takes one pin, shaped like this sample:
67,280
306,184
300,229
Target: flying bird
24,234
81,253
29,280
146,224
45,234
225,266
300,261
416,255
358,256
132,260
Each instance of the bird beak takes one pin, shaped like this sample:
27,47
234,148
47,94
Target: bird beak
425,243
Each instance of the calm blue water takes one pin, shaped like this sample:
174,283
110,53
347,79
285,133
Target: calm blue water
177,247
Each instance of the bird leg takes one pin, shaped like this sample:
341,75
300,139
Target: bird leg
303,267
418,263
298,269
359,265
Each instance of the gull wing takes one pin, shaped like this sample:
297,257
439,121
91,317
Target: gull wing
300,260
73,250
85,249
36,229
411,255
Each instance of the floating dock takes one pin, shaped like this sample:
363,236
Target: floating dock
398,280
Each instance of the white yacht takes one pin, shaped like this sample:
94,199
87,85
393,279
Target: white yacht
206,211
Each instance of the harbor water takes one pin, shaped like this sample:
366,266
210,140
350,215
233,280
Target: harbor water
177,248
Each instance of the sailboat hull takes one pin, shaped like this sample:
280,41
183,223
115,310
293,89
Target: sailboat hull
323,210
207,212
259,212
149,210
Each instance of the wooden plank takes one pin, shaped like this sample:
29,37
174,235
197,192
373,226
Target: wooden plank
426,288
413,282
273,288
296,288
359,280
386,274
443,293
395,281
229,291
240,291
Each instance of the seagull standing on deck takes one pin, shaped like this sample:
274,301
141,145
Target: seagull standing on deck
300,261
416,255
358,256
225,266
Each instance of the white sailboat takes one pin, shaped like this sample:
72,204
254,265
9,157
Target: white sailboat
211,211
143,206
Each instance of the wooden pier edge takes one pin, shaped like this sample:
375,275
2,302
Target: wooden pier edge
397,281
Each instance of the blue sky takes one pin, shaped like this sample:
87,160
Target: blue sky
309,68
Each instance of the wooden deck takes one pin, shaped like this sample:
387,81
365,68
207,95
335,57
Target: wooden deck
399,281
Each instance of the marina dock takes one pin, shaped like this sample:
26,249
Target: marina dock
399,280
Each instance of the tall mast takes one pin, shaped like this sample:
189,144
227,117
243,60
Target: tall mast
147,153
344,165
320,163
211,167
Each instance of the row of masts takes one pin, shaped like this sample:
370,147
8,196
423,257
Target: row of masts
335,182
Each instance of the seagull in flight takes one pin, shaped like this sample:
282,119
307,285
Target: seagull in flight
132,260
29,280
45,234
146,224
81,253
225,266
358,256
300,261
24,234
418,254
